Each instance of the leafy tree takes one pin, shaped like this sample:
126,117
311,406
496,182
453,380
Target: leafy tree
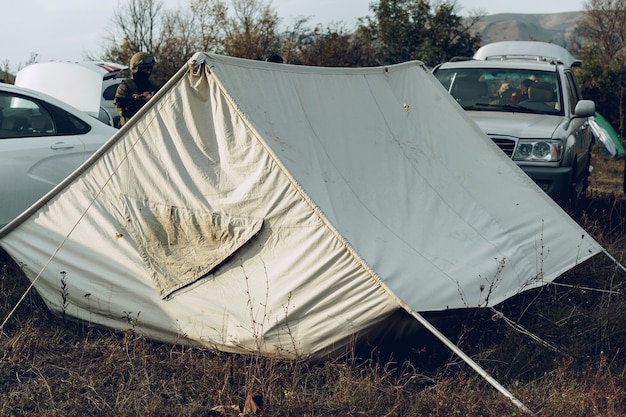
331,46
448,35
604,84
600,41
404,30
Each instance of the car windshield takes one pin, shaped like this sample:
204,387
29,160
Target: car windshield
510,90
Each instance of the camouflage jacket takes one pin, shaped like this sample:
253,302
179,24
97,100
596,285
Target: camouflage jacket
129,99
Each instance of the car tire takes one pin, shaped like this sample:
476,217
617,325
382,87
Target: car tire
578,190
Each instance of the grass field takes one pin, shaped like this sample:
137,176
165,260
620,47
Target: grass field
559,349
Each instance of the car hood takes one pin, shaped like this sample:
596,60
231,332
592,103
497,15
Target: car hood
77,84
520,125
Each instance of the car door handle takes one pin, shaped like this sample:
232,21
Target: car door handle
61,145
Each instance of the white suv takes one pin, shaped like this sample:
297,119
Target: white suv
524,96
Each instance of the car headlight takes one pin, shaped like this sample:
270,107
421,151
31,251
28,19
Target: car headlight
538,150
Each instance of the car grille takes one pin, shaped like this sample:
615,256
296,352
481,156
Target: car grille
506,144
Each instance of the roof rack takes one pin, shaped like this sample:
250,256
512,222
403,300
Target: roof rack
538,58
526,50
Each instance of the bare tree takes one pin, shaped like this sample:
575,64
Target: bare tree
138,29
207,26
211,21
138,24
294,40
253,31
246,29
5,75
180,40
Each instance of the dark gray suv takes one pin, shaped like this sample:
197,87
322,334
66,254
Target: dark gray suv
524,96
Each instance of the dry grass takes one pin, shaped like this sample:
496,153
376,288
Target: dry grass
49,367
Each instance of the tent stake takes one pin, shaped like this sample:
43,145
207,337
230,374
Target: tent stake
469,361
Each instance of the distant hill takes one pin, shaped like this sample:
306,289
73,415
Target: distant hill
554,27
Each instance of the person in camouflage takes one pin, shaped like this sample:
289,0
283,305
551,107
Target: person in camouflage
133,93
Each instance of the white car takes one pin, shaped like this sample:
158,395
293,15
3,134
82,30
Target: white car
42,140
112,77
109,87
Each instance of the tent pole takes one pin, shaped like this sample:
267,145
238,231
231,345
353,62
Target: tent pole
615,261
469,361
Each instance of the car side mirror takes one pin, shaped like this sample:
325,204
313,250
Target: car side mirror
585,108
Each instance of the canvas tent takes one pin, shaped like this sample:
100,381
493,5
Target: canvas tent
280,209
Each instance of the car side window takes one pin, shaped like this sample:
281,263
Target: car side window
23,117
66,123
572,91
109,92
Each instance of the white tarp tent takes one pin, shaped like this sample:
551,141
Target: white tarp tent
262,207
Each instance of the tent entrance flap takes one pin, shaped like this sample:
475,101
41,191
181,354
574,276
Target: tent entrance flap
179,246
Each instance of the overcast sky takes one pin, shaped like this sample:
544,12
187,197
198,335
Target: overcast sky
70,30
